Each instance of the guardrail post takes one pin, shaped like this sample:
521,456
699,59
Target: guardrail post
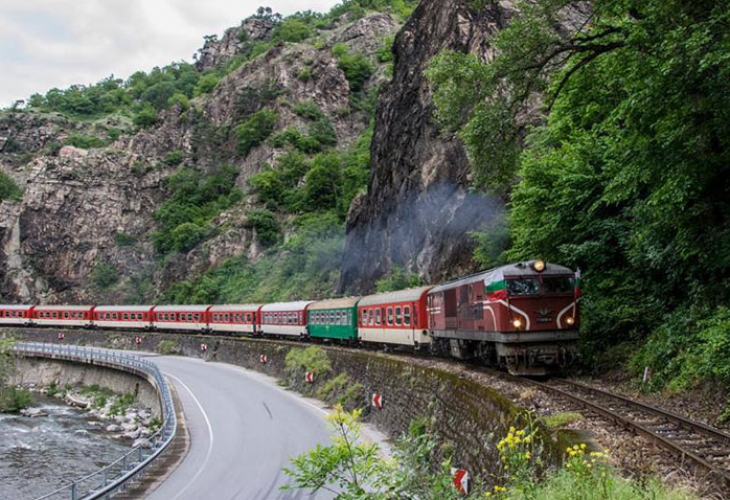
103,478
73,491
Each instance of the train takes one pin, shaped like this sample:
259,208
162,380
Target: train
524,317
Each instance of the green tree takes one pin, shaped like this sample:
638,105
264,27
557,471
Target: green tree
293,30
357,67
625,179
324,183
255,130
145,117
265,224
206,84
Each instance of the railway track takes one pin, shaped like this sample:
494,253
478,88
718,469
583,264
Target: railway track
697,446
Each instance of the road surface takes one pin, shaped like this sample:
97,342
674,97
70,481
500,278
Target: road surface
243,430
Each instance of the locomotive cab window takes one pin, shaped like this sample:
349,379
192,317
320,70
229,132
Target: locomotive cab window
523,286
558,284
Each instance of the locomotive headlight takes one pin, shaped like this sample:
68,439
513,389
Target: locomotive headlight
539,265
570,321
517,323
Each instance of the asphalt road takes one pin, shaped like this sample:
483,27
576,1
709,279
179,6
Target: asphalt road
243,431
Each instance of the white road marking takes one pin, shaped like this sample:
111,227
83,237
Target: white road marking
210,434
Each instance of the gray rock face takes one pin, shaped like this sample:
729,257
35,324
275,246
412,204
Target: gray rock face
216,52
76,201
418,211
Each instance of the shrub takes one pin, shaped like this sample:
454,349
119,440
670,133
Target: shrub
268,186
309,110
206,84
265,224
13,399
124,240
342,390
179,99
255,130
9,190
85,141
305,73
174,158
357,67
168,347
385,52
146,117
292,30
104,275
312,359
186,236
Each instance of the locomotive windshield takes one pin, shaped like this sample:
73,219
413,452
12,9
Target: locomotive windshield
524,286
553,285
558,284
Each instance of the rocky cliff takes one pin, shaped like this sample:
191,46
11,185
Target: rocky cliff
83,230
418,209
85,227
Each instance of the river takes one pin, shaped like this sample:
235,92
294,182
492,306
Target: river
39,455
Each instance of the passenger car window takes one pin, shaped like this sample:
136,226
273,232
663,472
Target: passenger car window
377,316
390,315
398,316
523,286
407,315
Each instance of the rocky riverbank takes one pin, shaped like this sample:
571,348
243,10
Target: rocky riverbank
117,415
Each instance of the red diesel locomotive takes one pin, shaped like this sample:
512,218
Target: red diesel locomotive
522,316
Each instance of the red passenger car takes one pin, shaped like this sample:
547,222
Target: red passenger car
394,317
236,318
123,316
285,318
15,315
181,318
523,316
63,315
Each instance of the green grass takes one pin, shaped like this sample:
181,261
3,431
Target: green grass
564,485
561,419
312,359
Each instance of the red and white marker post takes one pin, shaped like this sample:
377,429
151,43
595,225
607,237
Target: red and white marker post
460,478
309,377
203,347
264,359
377,401
138,340
61,336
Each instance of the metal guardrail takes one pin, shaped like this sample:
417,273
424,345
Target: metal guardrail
116,476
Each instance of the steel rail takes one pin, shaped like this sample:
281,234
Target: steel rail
684,454
116,476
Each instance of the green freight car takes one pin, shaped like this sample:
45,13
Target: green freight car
333,319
